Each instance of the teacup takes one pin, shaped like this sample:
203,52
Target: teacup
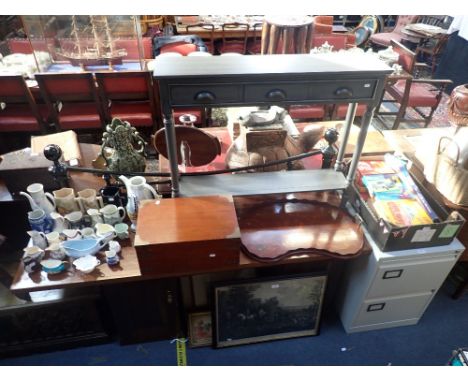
121,229
53,266
111,257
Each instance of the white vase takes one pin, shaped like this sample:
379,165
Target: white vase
39,199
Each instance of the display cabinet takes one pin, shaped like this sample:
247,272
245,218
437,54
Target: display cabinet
78,43
261,80
389,289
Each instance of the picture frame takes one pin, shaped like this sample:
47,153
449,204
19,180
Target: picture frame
199,328
258,310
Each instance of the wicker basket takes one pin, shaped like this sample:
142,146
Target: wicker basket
449,176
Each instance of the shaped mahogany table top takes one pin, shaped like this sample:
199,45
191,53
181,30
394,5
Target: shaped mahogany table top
279,226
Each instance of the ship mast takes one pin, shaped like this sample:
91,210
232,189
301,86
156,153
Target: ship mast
97,44
74,33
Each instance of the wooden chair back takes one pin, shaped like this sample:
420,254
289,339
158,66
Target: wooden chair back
228,42
407,58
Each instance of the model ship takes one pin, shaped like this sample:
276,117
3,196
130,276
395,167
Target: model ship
102,52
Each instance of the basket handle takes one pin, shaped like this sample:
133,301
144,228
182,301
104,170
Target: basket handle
456,145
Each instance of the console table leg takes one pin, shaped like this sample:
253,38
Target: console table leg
171,144
366,120
350,115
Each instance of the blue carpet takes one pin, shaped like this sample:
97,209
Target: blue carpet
443,328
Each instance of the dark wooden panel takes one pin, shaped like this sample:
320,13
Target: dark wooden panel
145,310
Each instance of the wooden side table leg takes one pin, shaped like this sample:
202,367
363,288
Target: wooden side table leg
265,37
308,43
288,40
274,39
301,38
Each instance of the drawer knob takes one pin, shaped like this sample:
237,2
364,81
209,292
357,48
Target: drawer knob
205,97
276,95
343,92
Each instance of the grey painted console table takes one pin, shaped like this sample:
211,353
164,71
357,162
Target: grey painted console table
259,80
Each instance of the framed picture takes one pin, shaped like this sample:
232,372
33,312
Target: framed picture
267,309
199,329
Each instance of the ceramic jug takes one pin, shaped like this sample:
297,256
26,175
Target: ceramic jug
59,222
87,198
137,190
38,239
39,199
40,221
66,201
95,216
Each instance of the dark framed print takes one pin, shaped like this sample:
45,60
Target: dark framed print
199,329
267,309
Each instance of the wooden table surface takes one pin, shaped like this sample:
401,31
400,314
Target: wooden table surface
128,269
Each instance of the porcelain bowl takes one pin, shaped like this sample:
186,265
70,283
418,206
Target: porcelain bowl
53,266
86,264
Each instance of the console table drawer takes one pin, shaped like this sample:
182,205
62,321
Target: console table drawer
275,92
345,90
205,94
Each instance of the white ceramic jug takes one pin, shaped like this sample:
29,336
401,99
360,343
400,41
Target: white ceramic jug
39,199
137,190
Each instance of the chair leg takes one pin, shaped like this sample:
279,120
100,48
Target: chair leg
400,116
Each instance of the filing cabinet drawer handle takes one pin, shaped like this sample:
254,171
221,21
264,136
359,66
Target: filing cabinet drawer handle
205,96
343,92
394,274
276,95
376,307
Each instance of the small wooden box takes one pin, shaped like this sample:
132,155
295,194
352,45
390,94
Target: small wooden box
187,235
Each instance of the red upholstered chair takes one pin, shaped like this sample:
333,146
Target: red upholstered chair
237,44
72,100
383,39
410,92
307,112
20,113
128,96
179,47
210,28
323,25
339,111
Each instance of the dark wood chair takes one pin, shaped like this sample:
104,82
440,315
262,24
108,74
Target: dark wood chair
409,92
72,100
255,45
234,44
128,96
432,49
210,28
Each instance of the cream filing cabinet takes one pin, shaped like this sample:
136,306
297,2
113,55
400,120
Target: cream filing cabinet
389,289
